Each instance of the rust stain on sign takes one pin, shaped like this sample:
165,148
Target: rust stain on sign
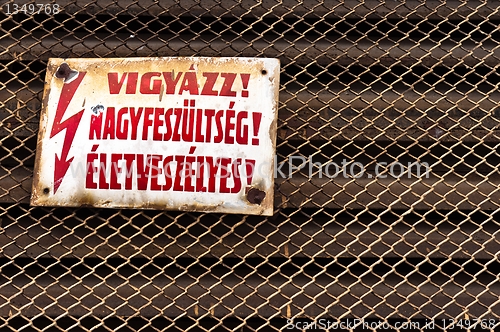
191,134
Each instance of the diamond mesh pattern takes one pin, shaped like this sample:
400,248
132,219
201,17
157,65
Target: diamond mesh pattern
370,82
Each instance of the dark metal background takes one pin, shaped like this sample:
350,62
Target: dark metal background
371,81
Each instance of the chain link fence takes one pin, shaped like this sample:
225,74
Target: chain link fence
380,83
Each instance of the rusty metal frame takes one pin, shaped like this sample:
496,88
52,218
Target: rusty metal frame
370,82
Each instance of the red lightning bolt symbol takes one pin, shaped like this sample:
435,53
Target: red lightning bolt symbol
61,164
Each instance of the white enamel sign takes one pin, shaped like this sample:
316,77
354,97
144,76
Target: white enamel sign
190,134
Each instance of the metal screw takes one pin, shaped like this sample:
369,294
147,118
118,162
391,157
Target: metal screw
255,196
63,71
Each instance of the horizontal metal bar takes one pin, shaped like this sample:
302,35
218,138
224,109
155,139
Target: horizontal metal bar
331,115
319,237
448,192
393,115
323,50
411,9
173,292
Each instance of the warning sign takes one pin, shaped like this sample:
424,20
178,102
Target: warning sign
190,134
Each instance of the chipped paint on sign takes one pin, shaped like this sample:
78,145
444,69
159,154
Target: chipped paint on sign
190,134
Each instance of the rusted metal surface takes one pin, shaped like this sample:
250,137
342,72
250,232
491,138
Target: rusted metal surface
369,82
411,9
325,49
347,237
211,88
209,297
447,194
336,115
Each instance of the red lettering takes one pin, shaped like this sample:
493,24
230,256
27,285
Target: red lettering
157,124
176,137
129,159
256,125
179,160
187,125
218,123
249,168
244,81
209,114
168,124
91,169
115,85
146,87
189,173
209,84
168,173
95,126
200,176
170,82
109,124
192,173
115,169
189,83
212,173
132,83
227,85
242,129
155,171
224,174
102,172
199,119
236,176
228,138
148,111
122,128
134,119
143,168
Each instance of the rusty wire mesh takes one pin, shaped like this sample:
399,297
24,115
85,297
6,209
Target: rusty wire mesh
371,81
